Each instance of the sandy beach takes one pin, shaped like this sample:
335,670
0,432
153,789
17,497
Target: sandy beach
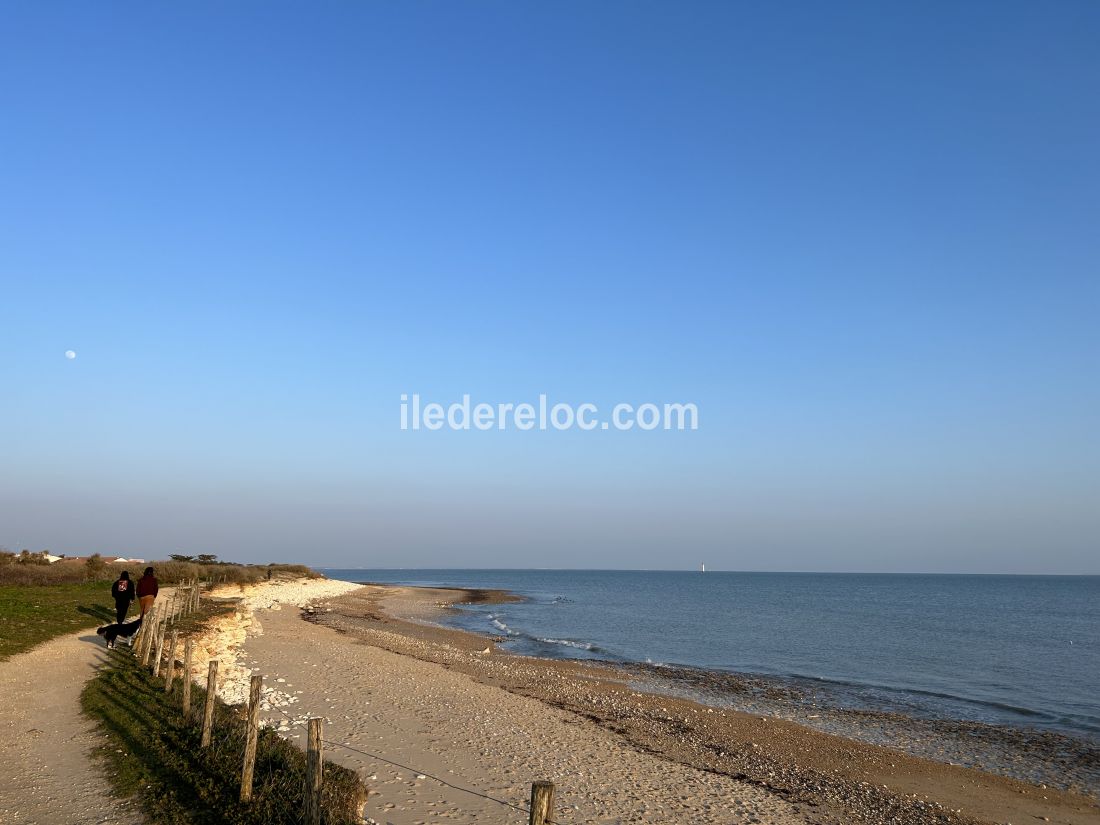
446,705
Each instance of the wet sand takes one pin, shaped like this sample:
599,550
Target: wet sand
1034,755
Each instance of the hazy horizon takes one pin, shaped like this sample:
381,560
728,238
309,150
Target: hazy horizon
860,239
323,568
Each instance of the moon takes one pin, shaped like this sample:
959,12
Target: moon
70,354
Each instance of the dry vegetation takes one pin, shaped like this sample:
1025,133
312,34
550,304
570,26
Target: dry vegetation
33,570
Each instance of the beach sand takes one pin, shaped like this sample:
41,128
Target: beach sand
446,704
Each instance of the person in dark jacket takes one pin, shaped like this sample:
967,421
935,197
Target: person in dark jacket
147,589
123,591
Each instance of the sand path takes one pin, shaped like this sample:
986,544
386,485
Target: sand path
45,741
444,723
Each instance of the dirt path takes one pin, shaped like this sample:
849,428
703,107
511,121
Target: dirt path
45,741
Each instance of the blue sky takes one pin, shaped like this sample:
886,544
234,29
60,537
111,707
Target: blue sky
862,238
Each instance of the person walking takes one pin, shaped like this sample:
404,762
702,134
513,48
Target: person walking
123,592
147,589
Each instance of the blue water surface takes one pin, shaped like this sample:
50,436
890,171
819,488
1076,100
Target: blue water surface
1017,650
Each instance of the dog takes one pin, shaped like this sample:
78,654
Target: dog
114,632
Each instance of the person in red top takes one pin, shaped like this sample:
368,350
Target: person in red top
147,590
123,591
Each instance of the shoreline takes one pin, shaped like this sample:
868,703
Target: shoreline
435,745
783,756
1039,756
820,777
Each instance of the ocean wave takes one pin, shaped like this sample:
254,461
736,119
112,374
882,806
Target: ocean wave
569,643
501,626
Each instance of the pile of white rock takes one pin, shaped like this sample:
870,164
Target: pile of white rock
225,636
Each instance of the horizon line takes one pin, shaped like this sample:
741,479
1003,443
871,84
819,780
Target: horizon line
695,570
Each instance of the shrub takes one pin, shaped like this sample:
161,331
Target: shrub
27,557
94,565
72,571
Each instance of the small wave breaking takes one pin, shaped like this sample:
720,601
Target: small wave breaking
568,643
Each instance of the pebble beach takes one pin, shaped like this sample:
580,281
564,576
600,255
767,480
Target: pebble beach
444,727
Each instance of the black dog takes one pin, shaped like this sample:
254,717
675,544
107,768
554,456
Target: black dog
126,631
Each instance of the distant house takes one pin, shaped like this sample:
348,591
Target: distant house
50,557
126,561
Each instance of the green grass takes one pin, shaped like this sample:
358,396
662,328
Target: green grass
32,614
153,753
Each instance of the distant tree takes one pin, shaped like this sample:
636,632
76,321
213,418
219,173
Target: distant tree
94,565
6,558
206,558
180,557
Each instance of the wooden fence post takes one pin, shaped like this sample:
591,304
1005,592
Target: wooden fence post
160,648
158,624
138,643
170,674
252,736
148,631
542,802
186,677
314,773
208,708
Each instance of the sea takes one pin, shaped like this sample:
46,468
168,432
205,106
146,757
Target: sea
1020,651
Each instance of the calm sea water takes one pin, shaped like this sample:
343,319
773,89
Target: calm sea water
1016,650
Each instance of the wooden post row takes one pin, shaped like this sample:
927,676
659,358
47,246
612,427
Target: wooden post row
208,708
252,736
542,802
160,648
148,631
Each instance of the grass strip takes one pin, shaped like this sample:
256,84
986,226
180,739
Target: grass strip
32,614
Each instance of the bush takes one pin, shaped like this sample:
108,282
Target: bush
66,571
94,565
27,557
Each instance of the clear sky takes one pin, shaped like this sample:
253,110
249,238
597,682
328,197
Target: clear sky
863,238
